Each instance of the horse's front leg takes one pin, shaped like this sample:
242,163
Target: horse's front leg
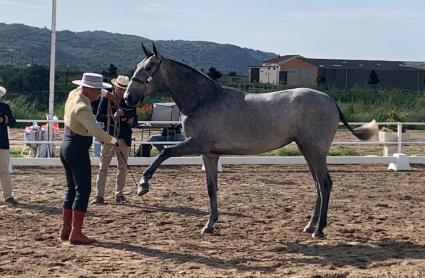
211,162
187,147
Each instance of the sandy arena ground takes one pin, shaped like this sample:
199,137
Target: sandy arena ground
376,225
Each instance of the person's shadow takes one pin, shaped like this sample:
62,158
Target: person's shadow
41,208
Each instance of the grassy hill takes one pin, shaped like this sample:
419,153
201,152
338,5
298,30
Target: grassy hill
96,50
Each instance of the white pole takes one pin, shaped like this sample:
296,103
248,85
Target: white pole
399,136
52,74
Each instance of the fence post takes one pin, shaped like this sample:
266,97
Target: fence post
402,163
399,129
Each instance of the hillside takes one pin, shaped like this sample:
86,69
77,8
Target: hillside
96,50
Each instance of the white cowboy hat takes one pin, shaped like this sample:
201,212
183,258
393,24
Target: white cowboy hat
121,81
2,91
92,80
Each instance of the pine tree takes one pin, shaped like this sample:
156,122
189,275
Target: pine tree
373,78
213,73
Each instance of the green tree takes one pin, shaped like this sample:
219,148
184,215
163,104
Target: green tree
65,74
31,79
112,71
7,72
321,80
232,73
36,78
373,78
213,73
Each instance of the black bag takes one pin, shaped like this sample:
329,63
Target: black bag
144,150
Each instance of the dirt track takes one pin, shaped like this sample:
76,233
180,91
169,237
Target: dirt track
376,226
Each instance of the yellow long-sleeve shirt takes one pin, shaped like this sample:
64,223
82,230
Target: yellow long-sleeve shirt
78,117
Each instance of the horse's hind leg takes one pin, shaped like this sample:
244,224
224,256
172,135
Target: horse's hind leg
316,159
325,187
311,226
210,162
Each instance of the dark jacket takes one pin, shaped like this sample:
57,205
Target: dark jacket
124,128
95,106
4,136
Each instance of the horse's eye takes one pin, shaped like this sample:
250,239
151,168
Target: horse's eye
148,68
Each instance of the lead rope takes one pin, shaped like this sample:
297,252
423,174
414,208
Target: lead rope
117,127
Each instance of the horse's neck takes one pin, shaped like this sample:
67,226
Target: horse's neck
187,86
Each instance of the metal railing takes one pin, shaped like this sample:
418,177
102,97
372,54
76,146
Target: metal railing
399,142
391,160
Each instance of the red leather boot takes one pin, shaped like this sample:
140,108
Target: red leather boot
77,236
66,224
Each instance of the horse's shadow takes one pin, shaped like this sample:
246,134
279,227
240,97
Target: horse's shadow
359,256
182,257
356,255
275,182
191,211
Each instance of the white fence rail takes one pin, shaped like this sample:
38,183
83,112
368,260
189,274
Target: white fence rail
238,160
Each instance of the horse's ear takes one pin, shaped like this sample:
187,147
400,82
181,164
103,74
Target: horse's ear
147,52
154,50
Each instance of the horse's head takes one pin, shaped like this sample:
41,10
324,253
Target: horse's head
145,73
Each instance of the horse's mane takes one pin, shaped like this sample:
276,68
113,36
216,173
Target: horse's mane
194,71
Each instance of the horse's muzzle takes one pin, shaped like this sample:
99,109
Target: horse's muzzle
132,98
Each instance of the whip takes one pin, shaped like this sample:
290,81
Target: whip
131,173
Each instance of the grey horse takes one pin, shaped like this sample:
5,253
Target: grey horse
218,120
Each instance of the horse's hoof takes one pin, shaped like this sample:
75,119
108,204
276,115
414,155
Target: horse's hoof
207,230
309,230
318,235
142,189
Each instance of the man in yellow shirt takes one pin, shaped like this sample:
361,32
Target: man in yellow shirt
79,128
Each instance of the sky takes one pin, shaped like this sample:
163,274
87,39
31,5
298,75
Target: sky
327,29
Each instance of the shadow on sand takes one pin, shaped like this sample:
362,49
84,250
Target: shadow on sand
359,255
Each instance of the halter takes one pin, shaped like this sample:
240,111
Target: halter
149,79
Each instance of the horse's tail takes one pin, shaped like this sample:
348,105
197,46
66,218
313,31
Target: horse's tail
364,132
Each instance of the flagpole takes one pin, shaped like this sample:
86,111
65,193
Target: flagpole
52,76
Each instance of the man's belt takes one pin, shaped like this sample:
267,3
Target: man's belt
68,132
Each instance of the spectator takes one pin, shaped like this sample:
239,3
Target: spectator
6,120
167,134
122,119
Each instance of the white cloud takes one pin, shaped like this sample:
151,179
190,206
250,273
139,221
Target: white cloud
380,14
9,3
160,8
154,7
15,3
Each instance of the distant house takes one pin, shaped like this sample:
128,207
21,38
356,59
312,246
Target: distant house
269,71
344,74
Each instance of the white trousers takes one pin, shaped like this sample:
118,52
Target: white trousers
6,183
